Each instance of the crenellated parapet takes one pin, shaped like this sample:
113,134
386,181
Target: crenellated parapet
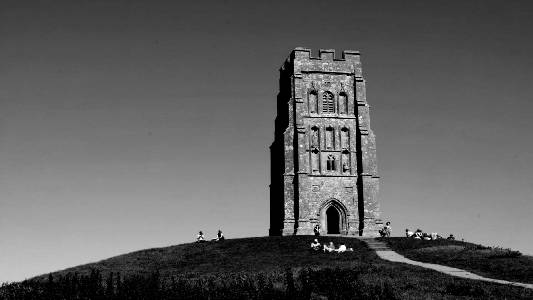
349,63
327,54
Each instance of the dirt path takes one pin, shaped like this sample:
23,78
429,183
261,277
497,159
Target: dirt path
384,252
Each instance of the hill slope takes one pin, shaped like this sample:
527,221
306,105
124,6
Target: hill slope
259,268
259,254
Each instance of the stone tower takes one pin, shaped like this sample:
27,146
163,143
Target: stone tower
323,158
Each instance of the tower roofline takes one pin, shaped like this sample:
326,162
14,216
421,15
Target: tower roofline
325,54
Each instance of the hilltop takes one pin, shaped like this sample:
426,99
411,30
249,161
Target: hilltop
267,268
256,254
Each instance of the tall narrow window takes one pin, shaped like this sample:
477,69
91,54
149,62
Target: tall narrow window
345,138
313,102
315,160
328,103
314,136
330,163
329,138
345,158
343,103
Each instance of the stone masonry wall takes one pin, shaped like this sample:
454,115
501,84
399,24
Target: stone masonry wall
324,154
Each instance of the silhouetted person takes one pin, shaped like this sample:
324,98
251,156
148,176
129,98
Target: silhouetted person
317,230
220,236
451,237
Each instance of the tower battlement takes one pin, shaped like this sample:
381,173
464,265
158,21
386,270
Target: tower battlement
326,54
301,60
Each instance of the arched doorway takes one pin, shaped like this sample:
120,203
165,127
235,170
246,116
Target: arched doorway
332,220
333,217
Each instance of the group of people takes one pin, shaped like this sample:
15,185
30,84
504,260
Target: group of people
419,235
200,238
316,246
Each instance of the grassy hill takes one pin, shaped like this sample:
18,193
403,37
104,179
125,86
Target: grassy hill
492,262
258,254
258,268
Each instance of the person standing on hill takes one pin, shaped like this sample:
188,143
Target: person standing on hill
317,230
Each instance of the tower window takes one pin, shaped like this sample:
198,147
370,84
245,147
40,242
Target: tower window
314,136
329,138
328,103
330,163
315,160
343,103
345,136
313,102
345,161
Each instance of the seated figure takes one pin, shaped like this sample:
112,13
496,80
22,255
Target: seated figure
342,248
433,235
451,237
315,245
330,247
385,232
200,237
408,233
418,234
220,237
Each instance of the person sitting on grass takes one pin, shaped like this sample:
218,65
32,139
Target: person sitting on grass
409,233
426,236
329,248
219,238
385,232
200,238
451,237
315,245
433,236
418,234
342,248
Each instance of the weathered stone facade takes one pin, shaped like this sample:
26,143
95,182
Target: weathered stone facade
323,158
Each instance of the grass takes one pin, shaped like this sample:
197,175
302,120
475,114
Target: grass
260,254
258,268
492,262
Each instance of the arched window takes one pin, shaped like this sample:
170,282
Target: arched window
313,102
329,138
328,103
345,138
343,103
330,163
314,137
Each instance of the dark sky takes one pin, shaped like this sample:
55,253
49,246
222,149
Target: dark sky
133,124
